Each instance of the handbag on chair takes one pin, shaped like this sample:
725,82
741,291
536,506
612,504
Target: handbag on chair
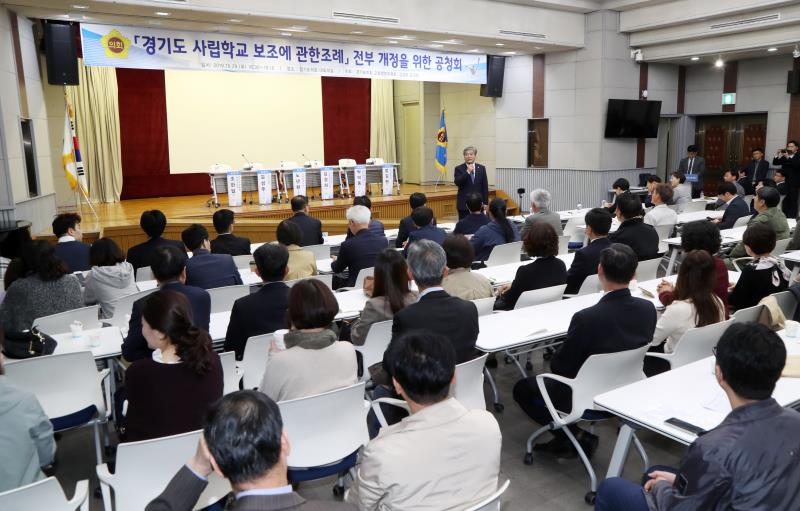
28,343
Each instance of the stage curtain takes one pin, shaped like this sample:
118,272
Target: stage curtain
345,118
97,125
381,126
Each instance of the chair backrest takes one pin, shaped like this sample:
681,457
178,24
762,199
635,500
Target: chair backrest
123,307
44,494
543,295
692,206
254,360
229,377
468,388
749,314
505,253
76,387
787,303
591,284
563,245
243,261
320,251
144,273
338,428
378,338
485,305
674,207
492,502
780,247
222,298
326,278
647,270
572,227
59,323
748,198
741,221
664,231
137,479
697,343
363,274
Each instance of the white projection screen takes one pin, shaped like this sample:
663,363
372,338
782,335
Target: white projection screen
214,117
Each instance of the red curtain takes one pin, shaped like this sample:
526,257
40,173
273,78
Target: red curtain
345,118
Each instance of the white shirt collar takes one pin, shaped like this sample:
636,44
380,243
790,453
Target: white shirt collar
283,490
430,290
65,238
158,357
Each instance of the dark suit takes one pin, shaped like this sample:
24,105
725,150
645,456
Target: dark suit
139,255
375,227
134,347
429,232
585,264
618,322
641,237
208,270
406,226
471,223
736,209
75,254
756,171
230,244
791,169
310,227
698,166
183,491
259,313
468,185
357,253
783,188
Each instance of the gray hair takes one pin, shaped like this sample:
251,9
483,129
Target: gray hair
359,214
541,198
470,148
426,260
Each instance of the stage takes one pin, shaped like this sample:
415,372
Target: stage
120,220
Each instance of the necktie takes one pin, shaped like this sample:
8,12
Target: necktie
691,161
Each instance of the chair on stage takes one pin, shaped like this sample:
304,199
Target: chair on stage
46,494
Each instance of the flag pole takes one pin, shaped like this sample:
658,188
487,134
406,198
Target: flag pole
78,161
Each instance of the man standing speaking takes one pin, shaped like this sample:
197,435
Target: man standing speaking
470,177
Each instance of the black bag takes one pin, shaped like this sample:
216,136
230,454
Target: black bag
28,343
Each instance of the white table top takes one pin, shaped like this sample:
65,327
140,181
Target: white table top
689,393
692,216
504,273
109,340
248,278
729,236
793,256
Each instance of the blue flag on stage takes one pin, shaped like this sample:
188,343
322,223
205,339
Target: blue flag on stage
441,146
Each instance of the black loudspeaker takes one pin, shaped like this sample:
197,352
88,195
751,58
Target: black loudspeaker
61,52
793,83
495,68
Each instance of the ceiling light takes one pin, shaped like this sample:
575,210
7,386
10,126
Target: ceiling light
286,34
537,47
293,28
357,32
695,59
436,45
80,6
235,20
772,49
719,62
475,50
499,44
162,13
450,41
392,42
509,53
401,37
796,52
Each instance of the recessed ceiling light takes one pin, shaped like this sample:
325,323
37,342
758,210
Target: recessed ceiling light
499,44
80,6
475,50
356,32
401,37
537,47
162,13
286,34
235,20
719,62
293,28
436,45
509,53
772,49
695,58
392,42
450,41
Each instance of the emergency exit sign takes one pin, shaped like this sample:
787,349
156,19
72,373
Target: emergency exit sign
729,98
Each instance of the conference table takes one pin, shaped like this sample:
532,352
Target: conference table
792,257
104,343
504,273
690,393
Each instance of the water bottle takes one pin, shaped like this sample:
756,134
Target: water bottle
702,195
579,206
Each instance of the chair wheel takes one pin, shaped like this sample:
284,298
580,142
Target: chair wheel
499,407
528,458
338,491
528,366
590,497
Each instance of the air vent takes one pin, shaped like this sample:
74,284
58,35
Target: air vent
746,22
171,1
522,34
364,17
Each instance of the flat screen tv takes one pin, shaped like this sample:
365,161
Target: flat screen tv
629,118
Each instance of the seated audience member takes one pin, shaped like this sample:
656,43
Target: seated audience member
43,287
475,219
360,251
759,186
732,177
243,441
310,227
314,360
390,294
620,187
642,238
681,191
426,228
661,214
694,305
744,463
540,212
111,277
461,281
302,263
780,182
170,392
264,311
762,276
652,181
70,248
700,235
169,269
27,440
153,223
540,242
766,204
619,322
598,223
443,456
205,269
375,226
415,200
747,185
226,242
11,245
734,205
498,231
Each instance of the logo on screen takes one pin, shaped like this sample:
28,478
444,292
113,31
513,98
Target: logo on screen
116,45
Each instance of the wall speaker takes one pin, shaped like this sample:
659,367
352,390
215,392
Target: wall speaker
793,83
495,68
61,52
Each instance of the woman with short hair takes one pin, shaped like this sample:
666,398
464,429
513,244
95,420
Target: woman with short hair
302,263
765,274
110,278
461,281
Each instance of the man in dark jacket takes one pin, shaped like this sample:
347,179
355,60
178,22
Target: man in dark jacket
619,322
205,269
641,237
153,222
226,242
598,223
749,461
169,269
360,251
375,226
264,311
789,161
470,177
70,248
415,200
309,226
425,228
476,218
735,206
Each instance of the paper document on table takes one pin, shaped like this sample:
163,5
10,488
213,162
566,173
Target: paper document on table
718,403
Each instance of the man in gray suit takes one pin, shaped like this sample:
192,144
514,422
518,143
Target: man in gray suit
540,212
243,441
693,165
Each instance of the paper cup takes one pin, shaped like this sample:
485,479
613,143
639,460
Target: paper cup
792,328
76,328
